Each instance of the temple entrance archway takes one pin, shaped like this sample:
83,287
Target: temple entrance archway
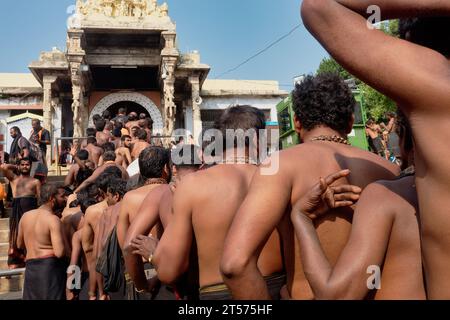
135,98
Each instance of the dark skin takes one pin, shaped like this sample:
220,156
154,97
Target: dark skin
37,127
268,206
22,185
41,231
25,153
385,233
155,209
399,69
204,206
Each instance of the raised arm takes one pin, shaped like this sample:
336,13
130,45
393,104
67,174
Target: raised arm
142,224
366,247
8,171
171,258
395,67
257,218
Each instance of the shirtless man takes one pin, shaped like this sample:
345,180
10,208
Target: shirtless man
385,235
41,234
204,206
91,219
406,66
156,208
110,147
100,135
109,158
132,121
124,151
154,164
373,131
104,231
83,157
26,192
324,109
90,132
139,144
144,125
94,151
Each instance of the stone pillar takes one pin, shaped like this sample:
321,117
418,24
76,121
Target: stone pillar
169,56
196,113
75,56
48,82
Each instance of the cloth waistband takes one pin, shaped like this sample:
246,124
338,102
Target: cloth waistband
50,256
221,287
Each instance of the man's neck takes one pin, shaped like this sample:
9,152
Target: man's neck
47,207
320,131
27,175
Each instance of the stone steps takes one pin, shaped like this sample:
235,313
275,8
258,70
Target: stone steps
4,249
4,224
4,263
4,236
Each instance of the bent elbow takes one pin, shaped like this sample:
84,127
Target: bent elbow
311,10
233,265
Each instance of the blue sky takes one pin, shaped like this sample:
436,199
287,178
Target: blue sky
226,32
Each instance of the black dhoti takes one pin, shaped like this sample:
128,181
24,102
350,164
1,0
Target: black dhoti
45,279
20,206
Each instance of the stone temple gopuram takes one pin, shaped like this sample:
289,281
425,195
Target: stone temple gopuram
123,53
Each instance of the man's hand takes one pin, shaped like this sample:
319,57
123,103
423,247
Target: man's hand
144,246
323,197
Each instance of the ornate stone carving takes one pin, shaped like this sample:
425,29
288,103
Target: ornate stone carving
122,8
138,98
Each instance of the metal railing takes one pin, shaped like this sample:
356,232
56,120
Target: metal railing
10,273
155,140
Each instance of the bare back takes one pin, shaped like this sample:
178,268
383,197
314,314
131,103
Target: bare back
402,276
333,230
42,233
219,191
94,153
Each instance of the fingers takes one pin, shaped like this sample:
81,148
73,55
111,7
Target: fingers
348,196
336,176
340,204
347,188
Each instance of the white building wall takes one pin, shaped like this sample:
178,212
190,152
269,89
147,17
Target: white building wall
263,103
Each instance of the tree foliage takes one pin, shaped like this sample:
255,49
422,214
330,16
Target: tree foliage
377,105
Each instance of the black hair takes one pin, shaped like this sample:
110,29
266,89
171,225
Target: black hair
118,186
26,159
430,32
326,100
109,156
125,137
96,118
109,146
16,129
142,116
82,175
240,117
122,111
141,134
117,133
83,155
91,140
106,115
49,191
90,132
100,125
86,203
152,162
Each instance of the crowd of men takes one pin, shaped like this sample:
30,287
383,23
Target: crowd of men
217,226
